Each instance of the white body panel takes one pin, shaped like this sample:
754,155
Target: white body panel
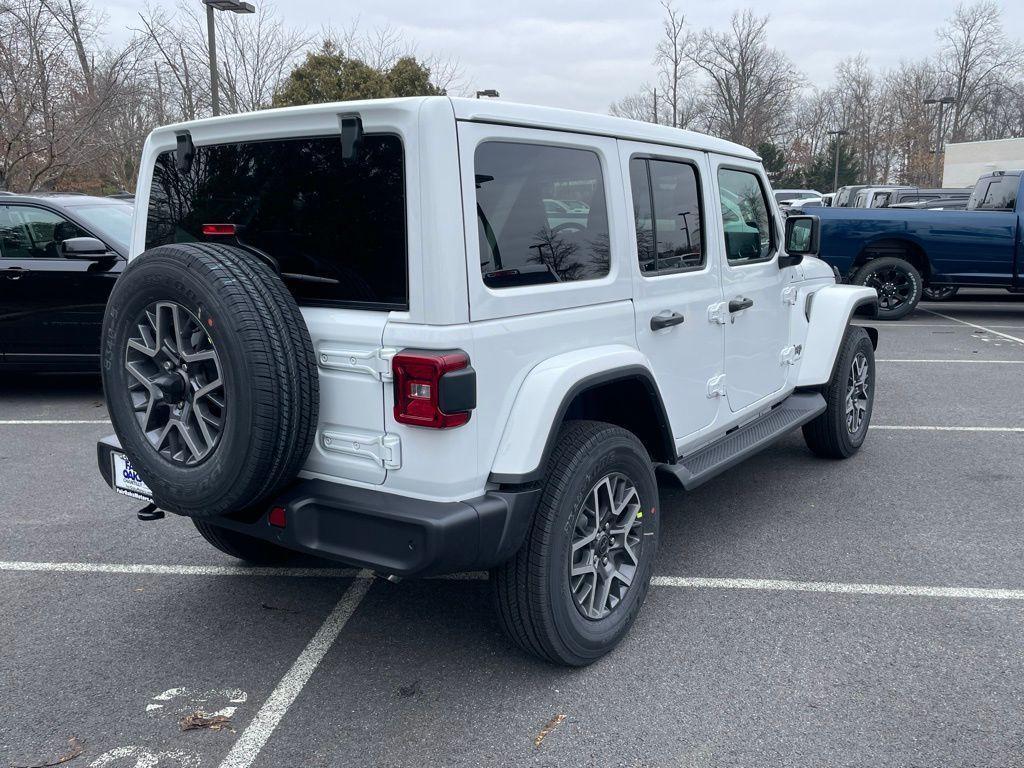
531,345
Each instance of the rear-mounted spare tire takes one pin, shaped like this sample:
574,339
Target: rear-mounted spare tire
210,377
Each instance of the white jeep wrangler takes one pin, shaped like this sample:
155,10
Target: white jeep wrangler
431,335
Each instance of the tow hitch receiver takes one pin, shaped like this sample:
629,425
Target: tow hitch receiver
150,512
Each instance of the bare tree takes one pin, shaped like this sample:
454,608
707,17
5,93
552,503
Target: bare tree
750,85
671,59
976,62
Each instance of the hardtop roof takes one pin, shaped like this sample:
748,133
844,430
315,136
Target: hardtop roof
508,113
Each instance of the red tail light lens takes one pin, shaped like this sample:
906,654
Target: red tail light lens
419,379
219,230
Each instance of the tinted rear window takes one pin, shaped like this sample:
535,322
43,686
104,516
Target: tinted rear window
336,228
995,194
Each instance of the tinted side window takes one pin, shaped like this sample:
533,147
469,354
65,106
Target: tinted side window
1001,194
669,233
541,214
745,217
34,233
336,227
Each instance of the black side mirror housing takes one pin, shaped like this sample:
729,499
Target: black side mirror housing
803,238
87,248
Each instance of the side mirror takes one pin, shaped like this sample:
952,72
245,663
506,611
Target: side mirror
87,248
803,238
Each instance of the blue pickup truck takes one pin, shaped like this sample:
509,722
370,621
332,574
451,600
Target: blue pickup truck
908,253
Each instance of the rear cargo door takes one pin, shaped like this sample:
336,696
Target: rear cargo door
354,369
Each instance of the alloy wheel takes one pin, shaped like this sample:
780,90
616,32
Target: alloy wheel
606,546
857,384
176,387
895,287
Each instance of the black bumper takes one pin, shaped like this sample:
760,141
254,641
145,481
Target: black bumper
383,531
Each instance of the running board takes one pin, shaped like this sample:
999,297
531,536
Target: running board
702,465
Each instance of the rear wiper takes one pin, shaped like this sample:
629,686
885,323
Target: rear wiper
300,278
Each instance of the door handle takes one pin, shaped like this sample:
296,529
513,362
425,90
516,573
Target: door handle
737,305
13,273
658,322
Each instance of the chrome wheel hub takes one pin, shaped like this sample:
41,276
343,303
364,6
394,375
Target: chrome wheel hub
175,384
606,544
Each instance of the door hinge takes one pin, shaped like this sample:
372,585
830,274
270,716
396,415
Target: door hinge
374,362
716,386
789,295
719,313
791,354
385,450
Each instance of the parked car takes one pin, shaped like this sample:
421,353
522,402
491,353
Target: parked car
845,196
936,204
918,195
59,258
901,252
337,306
801,203
874,197
785,196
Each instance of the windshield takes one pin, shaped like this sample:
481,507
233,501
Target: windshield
111,221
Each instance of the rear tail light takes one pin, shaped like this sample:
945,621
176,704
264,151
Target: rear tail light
435,389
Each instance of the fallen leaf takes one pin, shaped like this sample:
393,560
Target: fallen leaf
198,720
76,749
552,724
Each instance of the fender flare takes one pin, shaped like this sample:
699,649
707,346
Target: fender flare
531,429
831,311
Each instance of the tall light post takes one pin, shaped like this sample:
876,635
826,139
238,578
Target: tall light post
835,178
235,6
942,102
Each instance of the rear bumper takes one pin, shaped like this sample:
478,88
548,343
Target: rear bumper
382,531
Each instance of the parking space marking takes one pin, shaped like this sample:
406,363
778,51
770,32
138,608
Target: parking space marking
256,734
840,588
912,360
912,428
179,570
975,325
44,422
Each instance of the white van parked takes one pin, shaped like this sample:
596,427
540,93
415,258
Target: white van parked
363,331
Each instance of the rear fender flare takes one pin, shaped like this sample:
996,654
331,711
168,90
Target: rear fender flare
544,397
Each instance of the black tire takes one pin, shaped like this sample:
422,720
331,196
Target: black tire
266,363
247,548
532,592
890,273
830,435
939,292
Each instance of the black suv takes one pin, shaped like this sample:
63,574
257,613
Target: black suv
59,258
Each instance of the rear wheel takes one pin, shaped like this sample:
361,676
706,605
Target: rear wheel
248,548
574,588
898,283
839,432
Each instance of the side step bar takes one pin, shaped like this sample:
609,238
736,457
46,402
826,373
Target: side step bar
700,466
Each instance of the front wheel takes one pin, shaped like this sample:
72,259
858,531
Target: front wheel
939,292
574,588
839,432
897,282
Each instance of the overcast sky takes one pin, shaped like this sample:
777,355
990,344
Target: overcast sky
585,54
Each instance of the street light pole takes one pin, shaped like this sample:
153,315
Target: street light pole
235,6
835,178
937,170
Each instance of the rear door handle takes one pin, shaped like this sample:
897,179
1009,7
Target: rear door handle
658,322
13,273
737,305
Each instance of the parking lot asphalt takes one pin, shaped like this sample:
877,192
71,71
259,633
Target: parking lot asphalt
806,612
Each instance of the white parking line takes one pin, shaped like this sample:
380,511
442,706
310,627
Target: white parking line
947,429
905,324
684,582
28,422
987,362
975,325
254,737
840,588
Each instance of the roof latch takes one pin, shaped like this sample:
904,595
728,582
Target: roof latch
351,136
